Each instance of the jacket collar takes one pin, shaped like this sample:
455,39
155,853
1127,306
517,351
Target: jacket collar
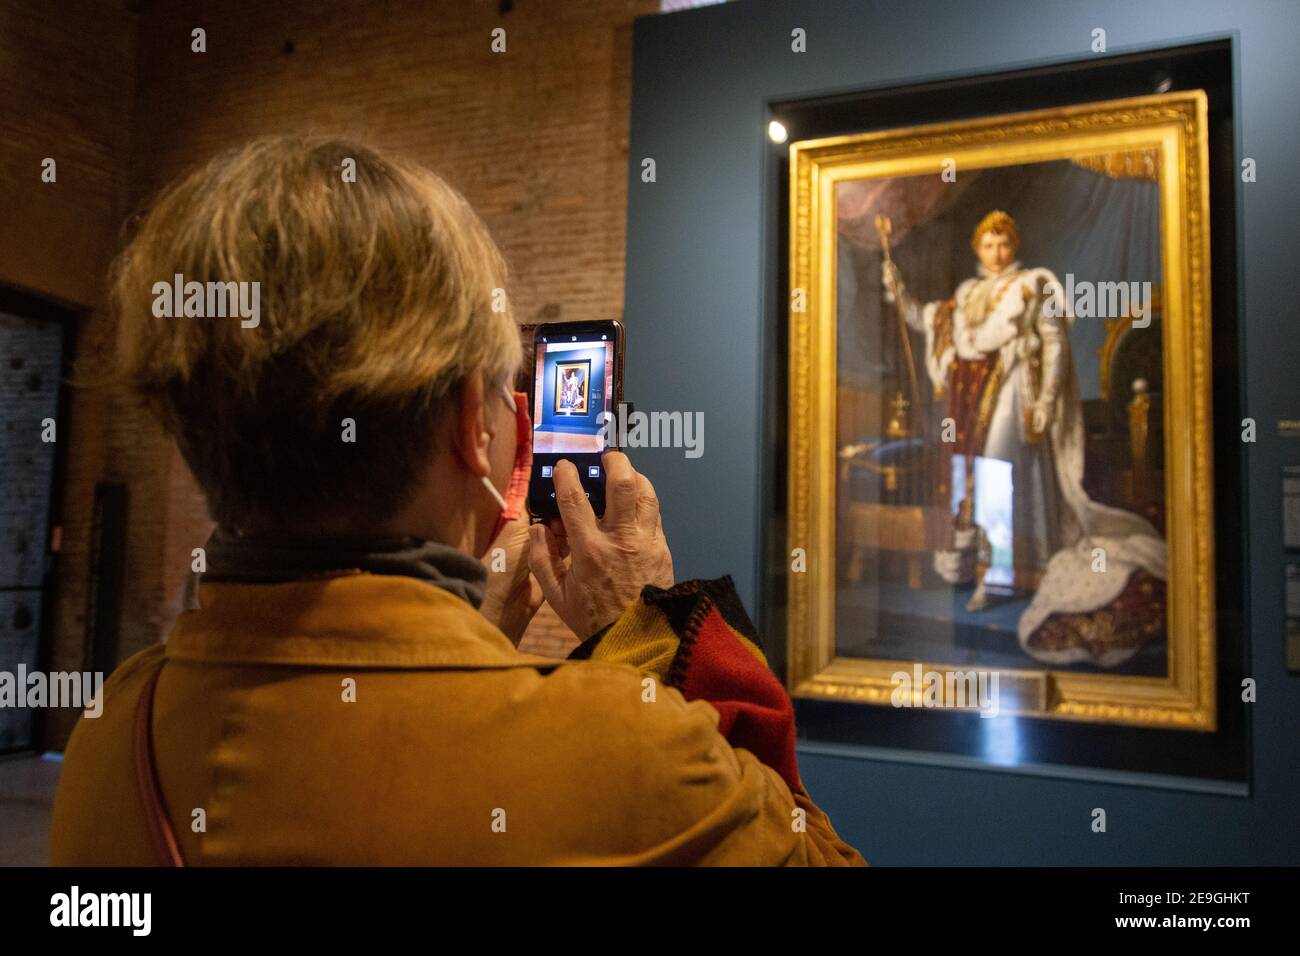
277,558
347,619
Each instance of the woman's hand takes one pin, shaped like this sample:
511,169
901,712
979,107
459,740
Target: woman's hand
512,595
592,569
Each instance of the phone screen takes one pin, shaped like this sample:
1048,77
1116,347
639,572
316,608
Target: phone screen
577,379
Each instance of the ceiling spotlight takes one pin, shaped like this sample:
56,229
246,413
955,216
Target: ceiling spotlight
776,132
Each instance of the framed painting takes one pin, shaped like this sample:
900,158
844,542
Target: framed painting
571,385
1000,489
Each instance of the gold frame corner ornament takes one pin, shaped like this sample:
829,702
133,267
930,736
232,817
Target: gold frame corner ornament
1173,124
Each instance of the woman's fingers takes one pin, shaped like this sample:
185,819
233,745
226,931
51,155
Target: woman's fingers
556,527
547,565
647,503
620,491
575,509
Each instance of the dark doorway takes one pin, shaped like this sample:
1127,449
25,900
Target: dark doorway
33,339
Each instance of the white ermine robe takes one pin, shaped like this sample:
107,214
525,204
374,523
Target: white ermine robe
1056,527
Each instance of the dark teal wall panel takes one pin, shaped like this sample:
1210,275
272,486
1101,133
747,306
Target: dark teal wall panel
696,298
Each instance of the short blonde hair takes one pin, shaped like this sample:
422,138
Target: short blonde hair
999,222
380,293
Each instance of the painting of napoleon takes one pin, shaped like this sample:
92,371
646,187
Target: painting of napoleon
999,439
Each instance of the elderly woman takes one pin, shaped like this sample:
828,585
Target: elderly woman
345,686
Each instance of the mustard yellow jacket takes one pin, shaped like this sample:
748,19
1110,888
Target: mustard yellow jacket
374,719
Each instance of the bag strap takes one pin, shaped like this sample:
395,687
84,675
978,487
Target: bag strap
166,848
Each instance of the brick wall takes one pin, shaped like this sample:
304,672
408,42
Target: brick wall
67,78
535,137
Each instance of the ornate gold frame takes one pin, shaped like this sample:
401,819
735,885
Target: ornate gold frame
1175,125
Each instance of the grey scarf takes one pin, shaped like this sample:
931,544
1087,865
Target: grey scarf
275,560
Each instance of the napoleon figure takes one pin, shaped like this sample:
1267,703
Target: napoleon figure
998,353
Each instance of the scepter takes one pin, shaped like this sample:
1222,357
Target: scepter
884,227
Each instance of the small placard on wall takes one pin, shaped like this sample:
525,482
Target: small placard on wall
1291,507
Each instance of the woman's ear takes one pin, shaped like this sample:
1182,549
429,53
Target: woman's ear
469,434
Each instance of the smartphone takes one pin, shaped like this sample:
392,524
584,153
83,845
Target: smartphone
577,388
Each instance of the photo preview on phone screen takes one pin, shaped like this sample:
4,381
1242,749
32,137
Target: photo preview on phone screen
573,387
